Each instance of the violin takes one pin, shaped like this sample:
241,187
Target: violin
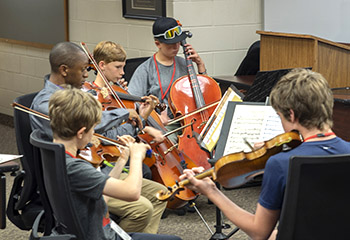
107,98
97,154
188,94
168,162
236,169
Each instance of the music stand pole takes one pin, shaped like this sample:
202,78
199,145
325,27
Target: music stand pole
219,235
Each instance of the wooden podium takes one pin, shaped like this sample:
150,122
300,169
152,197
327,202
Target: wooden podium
286,50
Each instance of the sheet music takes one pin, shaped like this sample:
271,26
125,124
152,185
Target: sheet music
8,157
255,123
212,135
120,231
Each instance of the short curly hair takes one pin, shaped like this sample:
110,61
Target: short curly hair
65,53
307,93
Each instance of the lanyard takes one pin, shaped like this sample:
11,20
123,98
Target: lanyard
319,135
160,83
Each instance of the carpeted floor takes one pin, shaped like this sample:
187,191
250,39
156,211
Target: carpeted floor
188,226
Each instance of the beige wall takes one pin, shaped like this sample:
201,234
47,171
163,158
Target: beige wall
222,31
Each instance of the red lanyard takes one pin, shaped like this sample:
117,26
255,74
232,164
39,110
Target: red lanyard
319,135
70,154
160,83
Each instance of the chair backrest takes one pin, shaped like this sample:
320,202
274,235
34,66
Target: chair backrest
316,200
24,202
263,84
250,65
131,65
23,130
57,187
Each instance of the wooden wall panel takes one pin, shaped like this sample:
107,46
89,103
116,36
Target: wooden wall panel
333,64
283,50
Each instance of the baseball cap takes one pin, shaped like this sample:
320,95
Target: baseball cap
167,30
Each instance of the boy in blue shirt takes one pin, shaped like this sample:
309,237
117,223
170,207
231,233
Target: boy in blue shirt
304,102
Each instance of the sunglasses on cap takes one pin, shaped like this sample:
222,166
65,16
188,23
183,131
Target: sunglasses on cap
170,34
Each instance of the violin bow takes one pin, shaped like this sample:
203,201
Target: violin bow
181,117
44,116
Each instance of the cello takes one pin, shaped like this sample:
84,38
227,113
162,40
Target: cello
169,161
187,94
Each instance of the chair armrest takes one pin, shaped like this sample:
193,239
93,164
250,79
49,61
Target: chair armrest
10,166
34,234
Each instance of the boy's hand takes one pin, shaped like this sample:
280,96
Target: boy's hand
123,83
155,133
198,185
148,106
134,118
138,150
125,151
193,55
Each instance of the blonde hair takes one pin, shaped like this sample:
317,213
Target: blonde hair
108,51
307,93
71,109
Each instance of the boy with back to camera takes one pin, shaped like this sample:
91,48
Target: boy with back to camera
304,102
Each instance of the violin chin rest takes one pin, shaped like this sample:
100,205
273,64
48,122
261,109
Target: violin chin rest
238,181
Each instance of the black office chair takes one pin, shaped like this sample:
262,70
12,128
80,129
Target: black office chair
316,200
57,187
131,65
24,203
250,65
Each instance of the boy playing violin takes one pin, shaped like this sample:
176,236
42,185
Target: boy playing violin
144,214
74,115
111,59
304,102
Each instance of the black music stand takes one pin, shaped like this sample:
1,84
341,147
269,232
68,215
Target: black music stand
220,150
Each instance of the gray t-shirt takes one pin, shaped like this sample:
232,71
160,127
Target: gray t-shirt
145,80
110,125
86,185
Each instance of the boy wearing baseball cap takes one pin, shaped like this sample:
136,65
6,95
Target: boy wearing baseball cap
157,74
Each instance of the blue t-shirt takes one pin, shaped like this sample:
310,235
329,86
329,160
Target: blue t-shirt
276,169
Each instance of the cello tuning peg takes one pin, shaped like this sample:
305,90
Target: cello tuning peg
170,189
188,33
